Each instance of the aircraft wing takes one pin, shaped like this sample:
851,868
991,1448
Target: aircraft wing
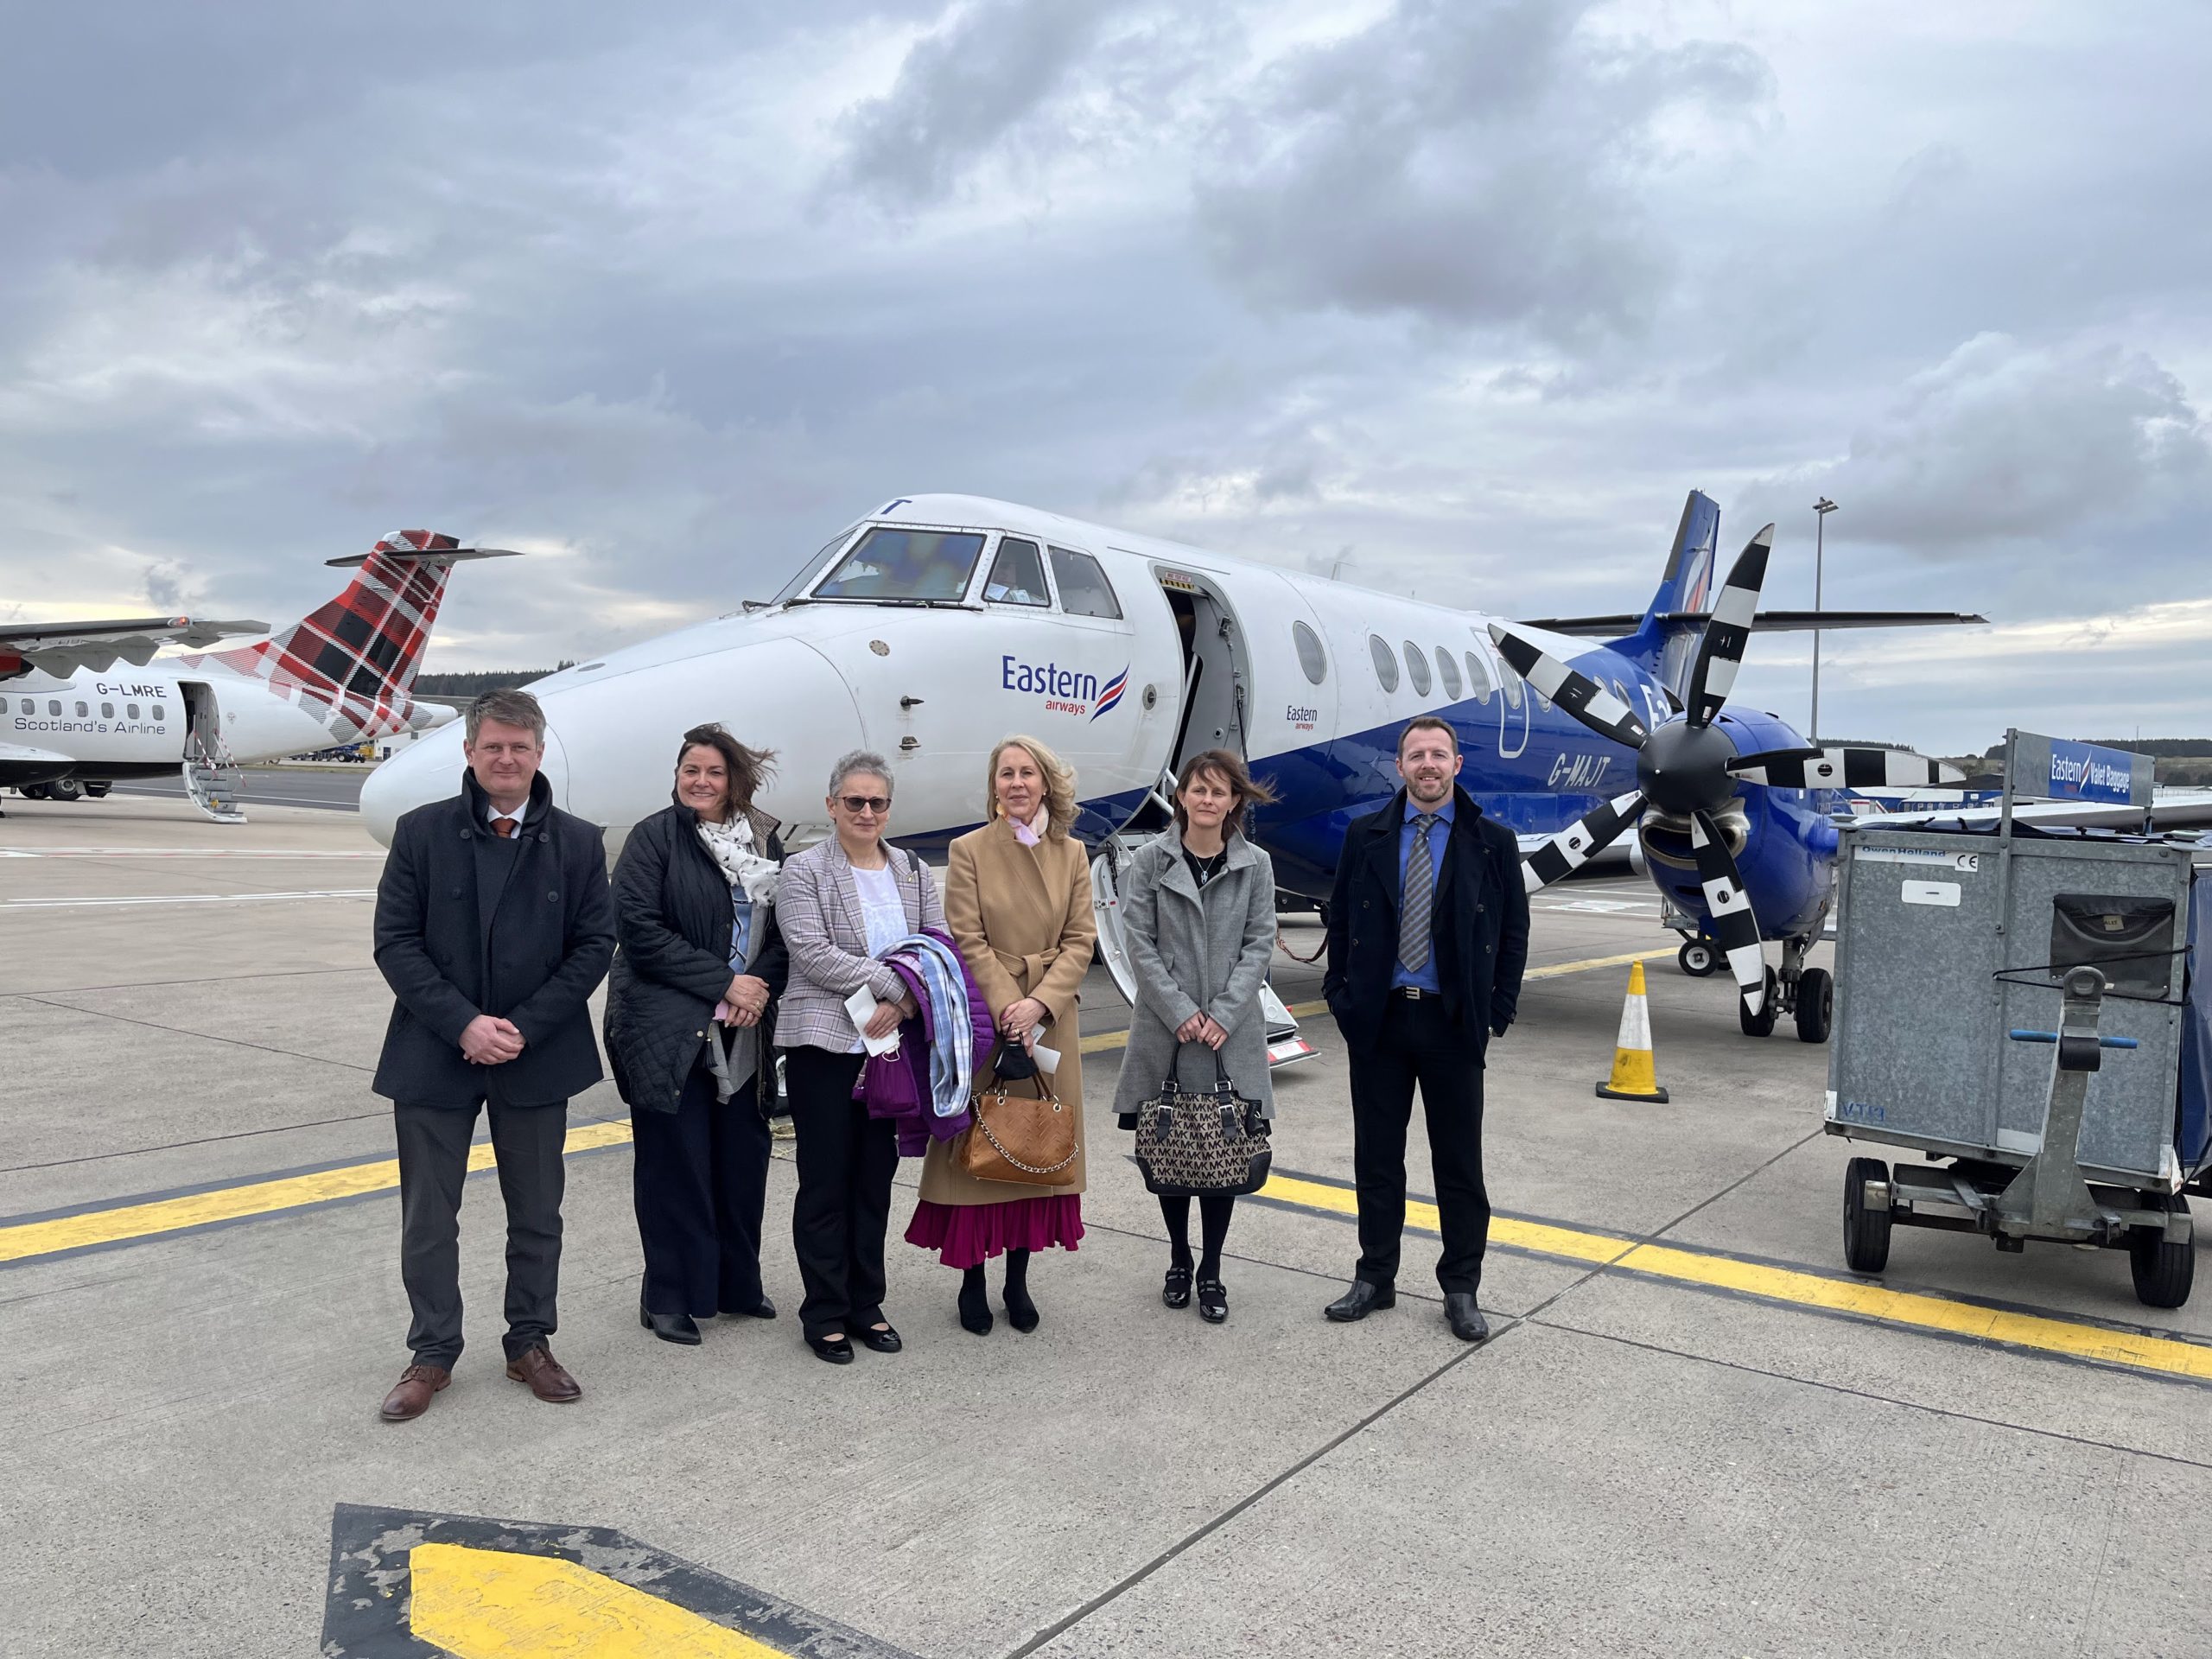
24,752
2173,809
1617,627
61,648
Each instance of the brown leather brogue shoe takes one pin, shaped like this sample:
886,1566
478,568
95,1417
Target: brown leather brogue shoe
537,1367
410,1397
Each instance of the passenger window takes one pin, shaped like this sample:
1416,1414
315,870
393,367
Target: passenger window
1417,667
82,711
1477,678
53,706
107,711
130,709
1386,665
1311,657
158,714
1017,575
1085,590
1509,678
1449,672
910,564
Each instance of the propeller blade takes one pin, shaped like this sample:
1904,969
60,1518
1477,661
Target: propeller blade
1574,846
1720,653
1847,767
1735,929
1580,696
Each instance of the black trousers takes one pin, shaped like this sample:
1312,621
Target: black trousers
434,1142
846,1160
1420,1047
700,1183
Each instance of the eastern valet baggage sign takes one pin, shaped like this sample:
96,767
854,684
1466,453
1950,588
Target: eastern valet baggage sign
2060,769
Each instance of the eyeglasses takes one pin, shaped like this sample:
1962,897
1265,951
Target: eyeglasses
857,804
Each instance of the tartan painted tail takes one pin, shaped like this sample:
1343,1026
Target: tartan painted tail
351,663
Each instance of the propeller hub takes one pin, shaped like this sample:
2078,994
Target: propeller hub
1684,768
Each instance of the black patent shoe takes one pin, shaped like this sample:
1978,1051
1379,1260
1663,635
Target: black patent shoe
838,1351
1175,1290
884,1341
1362,1299
1213,1301
680,1328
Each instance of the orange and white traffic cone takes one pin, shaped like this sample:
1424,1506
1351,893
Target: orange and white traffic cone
1634,1076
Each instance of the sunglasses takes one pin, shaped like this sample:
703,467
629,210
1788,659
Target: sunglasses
857,804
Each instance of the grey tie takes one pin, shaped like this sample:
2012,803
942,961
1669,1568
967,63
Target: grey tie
1420,897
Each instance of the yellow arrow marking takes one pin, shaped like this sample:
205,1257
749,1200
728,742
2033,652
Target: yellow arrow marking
488,1604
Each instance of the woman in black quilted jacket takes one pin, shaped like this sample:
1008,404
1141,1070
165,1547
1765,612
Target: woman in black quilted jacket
690,1012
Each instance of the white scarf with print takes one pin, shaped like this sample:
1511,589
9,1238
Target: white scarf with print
742,866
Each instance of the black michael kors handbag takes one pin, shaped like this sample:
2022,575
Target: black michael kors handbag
1202,1144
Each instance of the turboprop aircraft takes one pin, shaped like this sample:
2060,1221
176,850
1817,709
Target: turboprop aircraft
937,624
83,704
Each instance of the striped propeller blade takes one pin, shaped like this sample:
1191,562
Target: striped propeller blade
1847,767
1581,841
1735,929
1576,692
1720,653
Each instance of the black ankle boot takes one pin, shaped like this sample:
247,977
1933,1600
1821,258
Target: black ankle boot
1021,1311
975,1306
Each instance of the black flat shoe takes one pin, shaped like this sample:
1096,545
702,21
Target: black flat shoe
838,1351
1213,1301
1175,1290
1021,1311
761,1308
1465,1318
1362,1299
884,1341
680,1328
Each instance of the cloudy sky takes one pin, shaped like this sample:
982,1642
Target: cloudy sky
1465,293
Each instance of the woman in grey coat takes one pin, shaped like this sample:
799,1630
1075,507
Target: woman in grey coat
1199,910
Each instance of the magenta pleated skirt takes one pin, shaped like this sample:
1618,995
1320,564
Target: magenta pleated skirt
967,1235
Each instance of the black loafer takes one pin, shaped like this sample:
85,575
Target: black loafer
759,1308
679,1328
1362,1299
884,1341
838,1351
1465,1318
1175,1290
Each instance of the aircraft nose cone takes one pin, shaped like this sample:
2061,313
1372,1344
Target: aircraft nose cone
429,769
1683,768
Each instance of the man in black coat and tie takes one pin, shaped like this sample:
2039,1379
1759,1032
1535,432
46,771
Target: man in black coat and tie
494,926
1428,936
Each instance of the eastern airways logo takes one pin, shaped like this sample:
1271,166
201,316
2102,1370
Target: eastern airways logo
1065,691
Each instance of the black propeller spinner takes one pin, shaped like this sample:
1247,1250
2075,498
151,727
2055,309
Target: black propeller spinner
1688,769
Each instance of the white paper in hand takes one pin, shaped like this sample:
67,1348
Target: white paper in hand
861,1005
1048,1059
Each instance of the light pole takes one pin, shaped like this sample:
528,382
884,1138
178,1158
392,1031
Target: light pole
1821,508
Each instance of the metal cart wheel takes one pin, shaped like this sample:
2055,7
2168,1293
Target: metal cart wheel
1761,1023
1815,1005
2164,1272
1866,1232
1698,958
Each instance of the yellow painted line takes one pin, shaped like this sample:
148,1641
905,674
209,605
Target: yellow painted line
159,1215
1112,1040
490,1604
1789,1287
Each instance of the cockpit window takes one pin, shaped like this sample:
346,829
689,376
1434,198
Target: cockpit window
797,585
1085,590
891,562
1017,575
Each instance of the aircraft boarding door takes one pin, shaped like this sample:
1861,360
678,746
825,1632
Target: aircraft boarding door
211,777
1512,696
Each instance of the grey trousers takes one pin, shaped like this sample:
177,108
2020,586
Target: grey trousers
434,1142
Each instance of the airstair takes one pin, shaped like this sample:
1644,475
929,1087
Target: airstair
212,780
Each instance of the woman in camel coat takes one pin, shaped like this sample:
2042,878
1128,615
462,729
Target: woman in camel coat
1017,900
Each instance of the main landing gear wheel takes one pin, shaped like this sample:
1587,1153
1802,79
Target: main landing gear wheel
1866,1232
2163,1271
1815,1005
65,789
1698,958
1761,1023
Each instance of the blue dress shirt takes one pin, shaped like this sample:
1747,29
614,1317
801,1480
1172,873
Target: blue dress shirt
1426,979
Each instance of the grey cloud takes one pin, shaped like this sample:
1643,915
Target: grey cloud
960,91
1464,161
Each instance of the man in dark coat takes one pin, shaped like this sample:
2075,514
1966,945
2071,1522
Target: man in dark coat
1428,935
494,926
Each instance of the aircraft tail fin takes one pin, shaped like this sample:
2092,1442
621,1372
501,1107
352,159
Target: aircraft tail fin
351,662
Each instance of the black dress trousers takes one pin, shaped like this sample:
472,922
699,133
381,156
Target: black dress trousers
846,1162
700,1182
1420,1047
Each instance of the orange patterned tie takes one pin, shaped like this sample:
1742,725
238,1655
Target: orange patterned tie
503,828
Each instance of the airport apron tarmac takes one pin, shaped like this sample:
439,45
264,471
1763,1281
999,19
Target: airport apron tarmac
121,1222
